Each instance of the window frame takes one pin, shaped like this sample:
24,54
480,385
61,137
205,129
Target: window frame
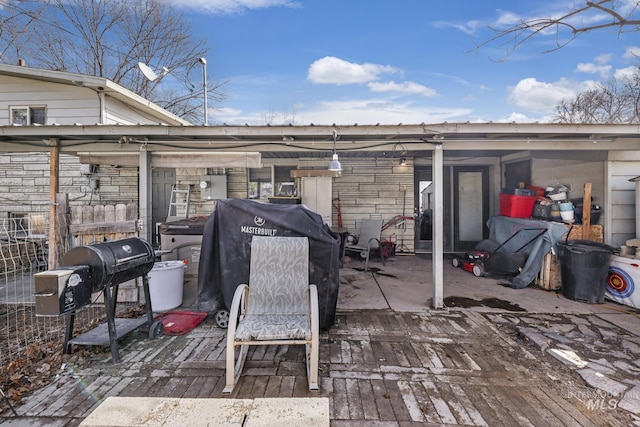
28,114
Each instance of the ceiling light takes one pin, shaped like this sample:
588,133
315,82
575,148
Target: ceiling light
335,165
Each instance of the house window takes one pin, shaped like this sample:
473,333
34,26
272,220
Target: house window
260,183
285,185
27,115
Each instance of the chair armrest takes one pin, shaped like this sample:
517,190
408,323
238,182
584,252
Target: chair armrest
237,308
313,310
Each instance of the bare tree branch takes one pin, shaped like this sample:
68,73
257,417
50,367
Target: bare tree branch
107,38
614,101
624,15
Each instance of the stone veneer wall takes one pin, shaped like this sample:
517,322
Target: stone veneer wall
370,187
24,183
376,187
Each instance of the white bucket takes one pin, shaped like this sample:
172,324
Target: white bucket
166,280
566,215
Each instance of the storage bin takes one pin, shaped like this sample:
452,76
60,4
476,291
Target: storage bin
515,206
524,192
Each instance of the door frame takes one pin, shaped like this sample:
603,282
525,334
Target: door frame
458,244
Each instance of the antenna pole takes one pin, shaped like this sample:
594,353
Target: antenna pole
204,88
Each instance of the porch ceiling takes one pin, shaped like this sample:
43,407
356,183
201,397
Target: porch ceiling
459,139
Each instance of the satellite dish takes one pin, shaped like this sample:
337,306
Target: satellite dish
150,74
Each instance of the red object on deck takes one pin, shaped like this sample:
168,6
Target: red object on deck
177,322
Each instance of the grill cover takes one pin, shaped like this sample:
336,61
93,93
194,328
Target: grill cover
225,254
113,262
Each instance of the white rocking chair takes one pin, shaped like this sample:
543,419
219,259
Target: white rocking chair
278,306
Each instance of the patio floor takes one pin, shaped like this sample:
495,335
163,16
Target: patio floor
500,357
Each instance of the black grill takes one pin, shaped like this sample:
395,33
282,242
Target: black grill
112,263
85,270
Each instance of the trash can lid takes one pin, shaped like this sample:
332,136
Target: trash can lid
588,245
167,265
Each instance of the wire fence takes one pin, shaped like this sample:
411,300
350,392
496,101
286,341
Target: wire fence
23,253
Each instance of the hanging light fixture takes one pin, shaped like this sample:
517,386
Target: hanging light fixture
335,165
403,161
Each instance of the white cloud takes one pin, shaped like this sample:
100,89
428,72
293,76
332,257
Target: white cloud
625,73
364,112
469,27
232,6
539,96
338,71
523,118
381,111
590,67
603,58
632,52
408,88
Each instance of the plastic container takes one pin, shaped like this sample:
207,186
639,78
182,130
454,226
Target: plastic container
595,215
567,215
584,266
515,206
565,206
524,192
166,283
539,191
558,196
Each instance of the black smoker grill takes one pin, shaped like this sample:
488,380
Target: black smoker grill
97,267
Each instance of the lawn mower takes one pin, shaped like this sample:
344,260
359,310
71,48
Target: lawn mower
489,257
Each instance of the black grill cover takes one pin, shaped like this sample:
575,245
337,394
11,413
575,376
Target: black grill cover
225,252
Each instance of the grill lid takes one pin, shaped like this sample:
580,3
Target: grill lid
113,262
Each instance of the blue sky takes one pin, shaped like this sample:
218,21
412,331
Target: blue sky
407,61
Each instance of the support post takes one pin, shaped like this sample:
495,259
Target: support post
586,212
54,174
144,194
437,253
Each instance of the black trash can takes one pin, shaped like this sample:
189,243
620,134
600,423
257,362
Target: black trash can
584,266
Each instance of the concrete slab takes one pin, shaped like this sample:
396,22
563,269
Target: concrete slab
289,412
164,411
405,283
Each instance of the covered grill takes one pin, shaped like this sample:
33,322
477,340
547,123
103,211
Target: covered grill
97,267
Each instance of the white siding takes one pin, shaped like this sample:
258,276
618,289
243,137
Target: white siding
66,104
118,113
621,225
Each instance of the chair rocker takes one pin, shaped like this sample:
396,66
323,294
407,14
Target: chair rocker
369,238
277,307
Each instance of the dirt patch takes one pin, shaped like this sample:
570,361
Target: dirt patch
41,361
463,302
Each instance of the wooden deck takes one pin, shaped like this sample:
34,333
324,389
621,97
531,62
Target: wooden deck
377,367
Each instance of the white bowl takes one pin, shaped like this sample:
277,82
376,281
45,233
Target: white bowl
558,196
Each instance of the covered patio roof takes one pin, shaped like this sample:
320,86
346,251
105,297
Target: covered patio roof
317,140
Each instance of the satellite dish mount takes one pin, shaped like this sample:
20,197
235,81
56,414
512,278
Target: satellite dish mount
150,74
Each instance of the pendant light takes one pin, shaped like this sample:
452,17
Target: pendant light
335,165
